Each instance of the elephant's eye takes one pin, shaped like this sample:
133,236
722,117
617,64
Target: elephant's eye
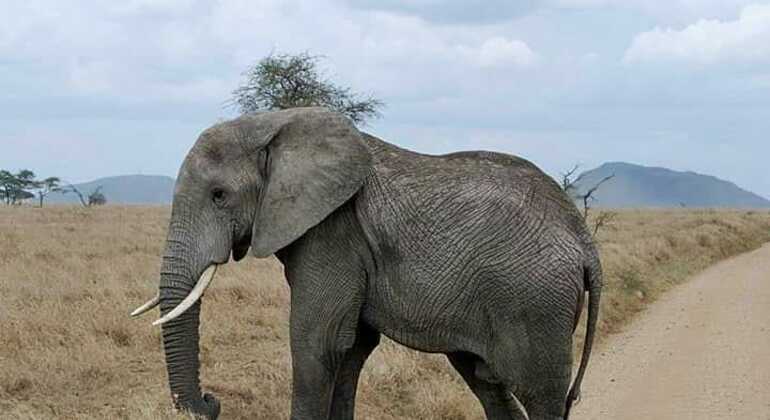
218,196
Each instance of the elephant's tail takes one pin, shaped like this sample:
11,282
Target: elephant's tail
593,284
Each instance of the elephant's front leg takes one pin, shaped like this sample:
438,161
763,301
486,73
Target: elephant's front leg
321,338
346,384
312,385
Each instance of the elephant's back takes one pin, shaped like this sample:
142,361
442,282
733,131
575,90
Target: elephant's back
508,173
495,181
489,202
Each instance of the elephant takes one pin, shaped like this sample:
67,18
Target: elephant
477,255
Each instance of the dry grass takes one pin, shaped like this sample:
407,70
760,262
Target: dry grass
69,277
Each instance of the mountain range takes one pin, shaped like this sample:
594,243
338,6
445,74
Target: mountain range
643,186
630,186
124,189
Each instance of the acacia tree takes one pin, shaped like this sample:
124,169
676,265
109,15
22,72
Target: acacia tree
25,181
47,186
568,180
7,185
23,185
570,184
289,81
93,198
588,196
96,197
13,187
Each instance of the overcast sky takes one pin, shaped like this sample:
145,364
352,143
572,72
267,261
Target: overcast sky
95,88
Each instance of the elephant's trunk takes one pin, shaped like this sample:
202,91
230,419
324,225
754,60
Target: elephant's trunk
180,335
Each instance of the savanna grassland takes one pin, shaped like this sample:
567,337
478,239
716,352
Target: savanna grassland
70,276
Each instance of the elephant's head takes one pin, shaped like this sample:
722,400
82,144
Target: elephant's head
260,182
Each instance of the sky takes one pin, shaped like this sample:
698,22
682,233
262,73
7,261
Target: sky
94,88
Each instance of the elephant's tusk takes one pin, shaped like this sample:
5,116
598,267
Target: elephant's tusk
147,306
195,294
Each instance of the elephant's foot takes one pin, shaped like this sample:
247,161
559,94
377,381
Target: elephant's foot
207,407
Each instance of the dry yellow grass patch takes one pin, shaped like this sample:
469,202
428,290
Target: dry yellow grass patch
645,253
69,277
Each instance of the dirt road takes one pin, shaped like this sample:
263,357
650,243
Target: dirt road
700,352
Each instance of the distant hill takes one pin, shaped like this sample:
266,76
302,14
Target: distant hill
632,186
642,186
125,189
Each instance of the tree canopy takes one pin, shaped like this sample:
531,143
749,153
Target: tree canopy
289,81
15,187
23,185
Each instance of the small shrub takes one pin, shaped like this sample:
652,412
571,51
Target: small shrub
704,240
631,280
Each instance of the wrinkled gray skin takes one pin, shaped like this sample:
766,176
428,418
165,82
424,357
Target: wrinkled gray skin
476,255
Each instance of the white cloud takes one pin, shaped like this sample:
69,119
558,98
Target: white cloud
150,7
670,12
746,39
473,12
486,12
501,52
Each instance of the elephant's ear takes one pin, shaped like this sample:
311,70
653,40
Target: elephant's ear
316,162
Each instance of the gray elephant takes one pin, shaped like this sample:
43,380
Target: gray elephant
476,255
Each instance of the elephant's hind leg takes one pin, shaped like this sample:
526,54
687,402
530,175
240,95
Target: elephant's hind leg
344,397
547,374
499,402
